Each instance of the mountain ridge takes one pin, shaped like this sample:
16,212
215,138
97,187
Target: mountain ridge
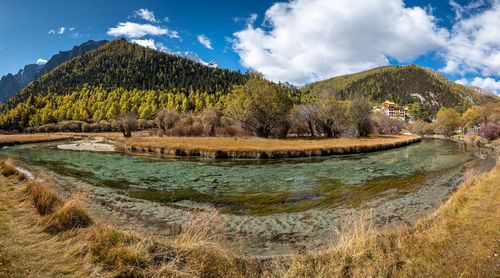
10,84
404,85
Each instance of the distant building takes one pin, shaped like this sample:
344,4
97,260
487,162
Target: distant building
392,110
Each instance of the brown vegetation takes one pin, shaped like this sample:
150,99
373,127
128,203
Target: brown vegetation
258,147
459,240
9,140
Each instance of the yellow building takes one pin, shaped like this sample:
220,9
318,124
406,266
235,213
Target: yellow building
392,110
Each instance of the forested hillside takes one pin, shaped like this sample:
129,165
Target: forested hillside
404,85
116,78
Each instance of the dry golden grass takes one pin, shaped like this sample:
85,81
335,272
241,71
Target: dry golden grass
71,215
461,239
31,138
8,169
253,144
25,250
44,198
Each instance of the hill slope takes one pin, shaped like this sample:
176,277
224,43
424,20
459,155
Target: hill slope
11,84
403,85
116,78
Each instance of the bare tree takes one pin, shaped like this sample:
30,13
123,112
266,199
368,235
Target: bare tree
330,114
304,113
127,123
166,118
210,117
360,112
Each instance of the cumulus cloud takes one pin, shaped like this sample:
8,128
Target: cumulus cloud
136,30
474,44
307,40
205,41
41,61
151,44
61,30
146,15
487,83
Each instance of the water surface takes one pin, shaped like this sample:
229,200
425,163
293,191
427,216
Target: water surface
257,186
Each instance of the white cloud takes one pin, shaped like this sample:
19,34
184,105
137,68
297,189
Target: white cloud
487,83
151,44
461,10
146,15
205,41
309,40
72,28
59,31
135,30
474,44
41,61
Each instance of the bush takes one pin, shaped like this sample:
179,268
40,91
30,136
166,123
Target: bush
44,198
418,127
490,131
193,130
48,128
383,124
70,126
301,129
71,215
281,130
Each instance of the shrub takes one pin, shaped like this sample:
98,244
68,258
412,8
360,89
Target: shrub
210,118
281,130
193,130
44,198
301,129
71,215
48,128
490,131
383,124
70,126
105,125
166,119
418,127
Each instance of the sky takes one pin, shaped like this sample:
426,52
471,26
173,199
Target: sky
297,41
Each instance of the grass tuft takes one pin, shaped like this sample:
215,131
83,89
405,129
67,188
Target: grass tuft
69,216
44,198
8,169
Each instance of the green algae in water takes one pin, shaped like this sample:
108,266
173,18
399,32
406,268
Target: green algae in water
254,186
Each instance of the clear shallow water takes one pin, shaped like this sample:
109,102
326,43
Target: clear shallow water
234,181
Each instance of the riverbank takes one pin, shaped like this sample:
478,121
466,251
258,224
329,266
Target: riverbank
16,139
459,240
225,147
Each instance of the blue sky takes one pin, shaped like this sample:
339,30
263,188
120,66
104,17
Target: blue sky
298,41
